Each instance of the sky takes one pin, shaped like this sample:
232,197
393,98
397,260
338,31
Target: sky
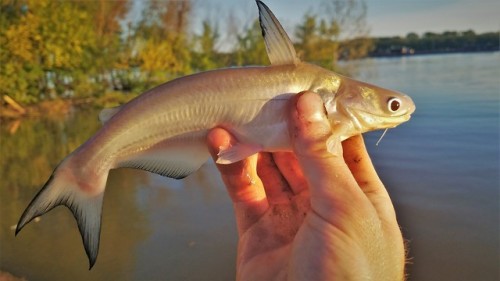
385,17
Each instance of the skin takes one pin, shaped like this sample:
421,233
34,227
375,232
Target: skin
311,214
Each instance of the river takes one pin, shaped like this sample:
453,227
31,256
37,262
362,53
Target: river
441,169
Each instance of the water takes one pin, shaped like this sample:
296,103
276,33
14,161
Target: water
441,169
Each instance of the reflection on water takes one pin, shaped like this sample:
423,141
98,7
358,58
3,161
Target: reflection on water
51,249
441,169
153,228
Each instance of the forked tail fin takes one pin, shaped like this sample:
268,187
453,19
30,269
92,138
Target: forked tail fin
63,188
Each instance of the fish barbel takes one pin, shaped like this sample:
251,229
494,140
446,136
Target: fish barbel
163,130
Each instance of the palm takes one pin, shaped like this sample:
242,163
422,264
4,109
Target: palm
282,231
266,245
271,200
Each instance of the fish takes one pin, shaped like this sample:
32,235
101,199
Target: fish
163,130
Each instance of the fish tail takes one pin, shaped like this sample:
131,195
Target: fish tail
82,192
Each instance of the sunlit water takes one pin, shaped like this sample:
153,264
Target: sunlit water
441,169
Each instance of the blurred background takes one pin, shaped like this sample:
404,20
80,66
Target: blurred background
63,61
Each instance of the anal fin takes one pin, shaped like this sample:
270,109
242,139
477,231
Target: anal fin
174,158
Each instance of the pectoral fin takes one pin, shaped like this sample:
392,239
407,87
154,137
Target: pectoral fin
333,144
278,45
172,158
237,153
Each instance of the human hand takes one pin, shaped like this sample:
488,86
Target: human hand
311,215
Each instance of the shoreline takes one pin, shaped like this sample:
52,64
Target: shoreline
11,110
44,108
430,53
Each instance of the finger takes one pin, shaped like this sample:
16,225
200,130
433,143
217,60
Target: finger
242,183
332,186
276,187
360,164
240,178
289,166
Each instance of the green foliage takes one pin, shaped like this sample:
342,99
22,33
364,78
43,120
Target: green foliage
316,41
46,54
18,40
161,41
250,48
205,54
338,32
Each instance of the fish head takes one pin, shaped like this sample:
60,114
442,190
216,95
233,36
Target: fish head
365,107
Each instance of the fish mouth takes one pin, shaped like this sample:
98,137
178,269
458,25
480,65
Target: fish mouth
368,120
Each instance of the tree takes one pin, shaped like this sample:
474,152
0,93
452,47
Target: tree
339,32
315,41
19,70
250,47
161,40
412,36
306,33
348,20
53,49
42,50
205,57
110,49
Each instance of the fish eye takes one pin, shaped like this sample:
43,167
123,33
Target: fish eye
393,104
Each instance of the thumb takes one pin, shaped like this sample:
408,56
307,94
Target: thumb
330,180
310,129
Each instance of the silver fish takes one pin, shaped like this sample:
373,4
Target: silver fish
163,130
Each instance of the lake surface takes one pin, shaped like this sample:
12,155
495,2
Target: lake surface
441,169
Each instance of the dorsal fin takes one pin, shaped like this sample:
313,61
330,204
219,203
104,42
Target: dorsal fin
107,113
278,45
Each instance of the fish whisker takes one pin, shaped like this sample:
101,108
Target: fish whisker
383,134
